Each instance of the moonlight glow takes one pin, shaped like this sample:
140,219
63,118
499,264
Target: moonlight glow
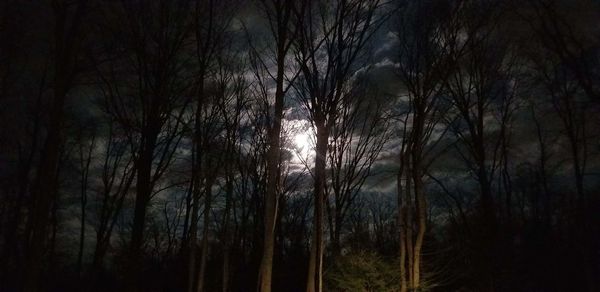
301,141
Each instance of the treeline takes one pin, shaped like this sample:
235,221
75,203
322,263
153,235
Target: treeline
159,145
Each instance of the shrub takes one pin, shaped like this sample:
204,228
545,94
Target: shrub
361,271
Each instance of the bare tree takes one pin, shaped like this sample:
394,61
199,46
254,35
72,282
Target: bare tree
482,88
146,83
561,30
22,136
116,177
233,107
214,135
211,24
332,39
572,111
279,15
361,130
85,153
424,65
67,43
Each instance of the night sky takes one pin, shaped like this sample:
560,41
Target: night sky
273,145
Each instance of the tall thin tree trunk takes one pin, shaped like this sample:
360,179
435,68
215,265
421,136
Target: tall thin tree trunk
85,168
66,47
43,193
186,220
337,246
402,226
315,269
273,175
11,236
409,232
197,176
143,194
192,244
205,233
81,235
421,217
227,232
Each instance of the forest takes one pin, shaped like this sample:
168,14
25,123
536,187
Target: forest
308,145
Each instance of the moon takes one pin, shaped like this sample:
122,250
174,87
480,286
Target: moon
302,141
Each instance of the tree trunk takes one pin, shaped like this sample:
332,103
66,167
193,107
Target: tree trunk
196,184
144,191
43,192
421,217
402,226
186,220
10,236
85,167
332,229
271,196
192,246
81,236
336,248
409,234
66,45
205,232
227,233
315,268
